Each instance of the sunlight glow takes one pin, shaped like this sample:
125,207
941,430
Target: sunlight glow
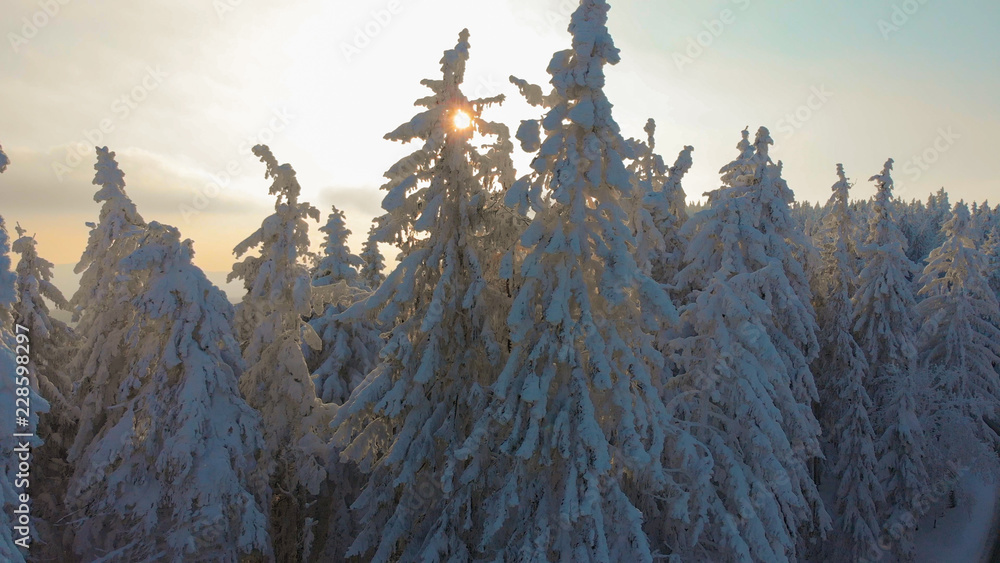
462,120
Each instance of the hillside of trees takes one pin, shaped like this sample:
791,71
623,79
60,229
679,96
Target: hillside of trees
566,363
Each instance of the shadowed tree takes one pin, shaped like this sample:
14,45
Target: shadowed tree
171,473
277,381
19,392
744,381
845,401
53,345
574,417
884,326
374,263
960,342
404,425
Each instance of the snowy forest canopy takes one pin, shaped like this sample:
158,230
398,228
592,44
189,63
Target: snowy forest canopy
570,364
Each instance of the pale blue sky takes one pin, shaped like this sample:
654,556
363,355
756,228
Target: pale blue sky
199,84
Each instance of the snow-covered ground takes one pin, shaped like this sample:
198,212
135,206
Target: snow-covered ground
965,533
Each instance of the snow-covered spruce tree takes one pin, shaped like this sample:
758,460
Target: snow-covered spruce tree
55,339
172,471
530,195
350,348
502,226
939,212
754,203
744,380
408,423
659,252
664,515
732,389
760,202
884,301
666,270
659,248
575,414
648,173
960,335
884,326
673,188
277,381
101,306
99,262
336,262
16,376
841,263
991,248
53,345
349,351
374,263
8,495
980,222
921,224
845,404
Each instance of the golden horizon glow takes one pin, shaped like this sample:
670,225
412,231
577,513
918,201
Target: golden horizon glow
462,120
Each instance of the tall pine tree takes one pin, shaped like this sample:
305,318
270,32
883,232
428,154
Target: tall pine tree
960,334
845,401
744,379
991,248
407,422
53,344
350,348
885,329
374,263
172,472
336,262
660,197
575,415
101,305
15,376
277,381
56,339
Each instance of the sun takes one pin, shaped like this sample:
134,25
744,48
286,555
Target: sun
462,120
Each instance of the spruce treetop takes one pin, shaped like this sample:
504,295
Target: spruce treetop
8,295
336,262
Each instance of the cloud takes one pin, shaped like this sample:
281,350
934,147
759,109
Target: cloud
229,74
40,182
362,203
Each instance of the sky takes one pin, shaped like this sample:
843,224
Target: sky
181,89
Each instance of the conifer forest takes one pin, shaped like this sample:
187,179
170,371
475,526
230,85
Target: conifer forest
576,361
